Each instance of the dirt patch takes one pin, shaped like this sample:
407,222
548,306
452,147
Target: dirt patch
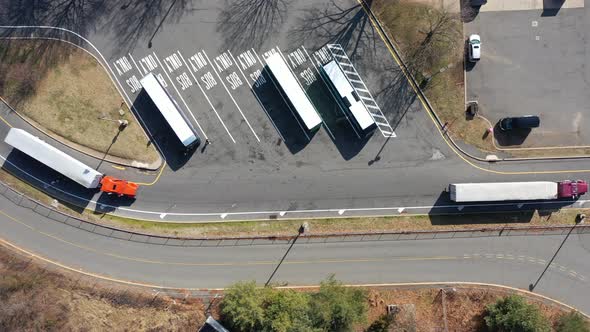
70,96
465,307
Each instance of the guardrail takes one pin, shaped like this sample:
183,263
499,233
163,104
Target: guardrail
50,212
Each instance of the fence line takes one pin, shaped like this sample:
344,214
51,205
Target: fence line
50,212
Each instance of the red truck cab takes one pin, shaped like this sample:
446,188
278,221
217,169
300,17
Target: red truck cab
571,189
111,185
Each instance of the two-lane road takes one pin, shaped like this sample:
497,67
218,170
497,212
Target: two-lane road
510,260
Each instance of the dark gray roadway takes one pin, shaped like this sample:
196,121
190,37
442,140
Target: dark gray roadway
509,260
270,177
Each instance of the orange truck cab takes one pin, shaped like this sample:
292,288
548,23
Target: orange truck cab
111,185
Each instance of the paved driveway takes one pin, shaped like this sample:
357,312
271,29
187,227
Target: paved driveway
534,64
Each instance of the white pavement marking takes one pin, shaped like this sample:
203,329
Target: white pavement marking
324,122
341,212
206,97
181,98
256,95
135,63
282,97
230,95
330,90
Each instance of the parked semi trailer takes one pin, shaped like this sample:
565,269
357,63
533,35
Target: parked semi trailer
516,191
70,167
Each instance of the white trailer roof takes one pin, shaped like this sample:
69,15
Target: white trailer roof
503,191
294,91
53,158
345,89
169,109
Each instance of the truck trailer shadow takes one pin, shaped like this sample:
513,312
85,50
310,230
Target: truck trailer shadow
348,140
48,181
281,112
447,212
174,152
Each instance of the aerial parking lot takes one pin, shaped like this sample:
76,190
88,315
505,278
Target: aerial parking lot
221,81
534,62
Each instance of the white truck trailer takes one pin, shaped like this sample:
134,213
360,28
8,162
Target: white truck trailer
516,191
70,167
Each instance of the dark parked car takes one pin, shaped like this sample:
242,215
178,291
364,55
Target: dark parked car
476,3
521,122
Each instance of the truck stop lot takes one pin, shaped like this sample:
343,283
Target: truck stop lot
534,63
229,97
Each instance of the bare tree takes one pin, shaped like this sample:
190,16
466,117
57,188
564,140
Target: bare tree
439,37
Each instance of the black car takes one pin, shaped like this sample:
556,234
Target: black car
521,122
477,3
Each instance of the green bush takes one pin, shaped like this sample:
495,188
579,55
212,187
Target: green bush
337,308
241,307
513,314
572,322
334,307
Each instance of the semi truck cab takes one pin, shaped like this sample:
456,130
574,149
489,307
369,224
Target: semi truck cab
572,189
111,185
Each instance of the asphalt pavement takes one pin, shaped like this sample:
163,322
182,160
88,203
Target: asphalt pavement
516,261
260,163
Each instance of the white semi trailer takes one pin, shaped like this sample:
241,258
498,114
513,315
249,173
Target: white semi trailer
516,191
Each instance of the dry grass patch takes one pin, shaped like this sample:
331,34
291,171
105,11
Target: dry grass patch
35,299
66,94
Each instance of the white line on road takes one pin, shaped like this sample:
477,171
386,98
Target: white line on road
256,95
136,66
181,98
230,95
284,99
206,97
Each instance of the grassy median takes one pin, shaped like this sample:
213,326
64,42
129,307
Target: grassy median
65,91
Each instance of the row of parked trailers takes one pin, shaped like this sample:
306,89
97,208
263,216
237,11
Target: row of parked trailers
289,87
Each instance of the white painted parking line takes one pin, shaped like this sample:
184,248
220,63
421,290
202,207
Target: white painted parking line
230,95
324,122
282,97
330,90
181,98
206,97
256,95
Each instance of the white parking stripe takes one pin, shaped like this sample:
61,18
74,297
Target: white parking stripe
231,96
282,97
324,122
331,93
181,98
135,63
206,97
256,95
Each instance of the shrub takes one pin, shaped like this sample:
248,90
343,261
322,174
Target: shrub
512,313
336,308
572,322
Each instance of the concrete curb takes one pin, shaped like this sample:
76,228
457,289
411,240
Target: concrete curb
431,110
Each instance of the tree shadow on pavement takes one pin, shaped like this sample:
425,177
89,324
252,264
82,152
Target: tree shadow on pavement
76,15
330,23
247,24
